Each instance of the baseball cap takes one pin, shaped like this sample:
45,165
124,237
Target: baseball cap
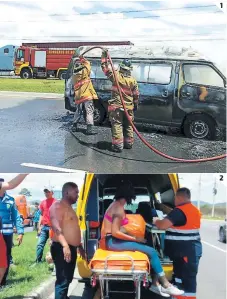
47,190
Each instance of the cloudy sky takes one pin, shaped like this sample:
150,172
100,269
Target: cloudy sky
37,182
199,24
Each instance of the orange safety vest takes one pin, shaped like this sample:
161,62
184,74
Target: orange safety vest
189,231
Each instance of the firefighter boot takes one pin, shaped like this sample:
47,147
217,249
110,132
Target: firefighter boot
128,146
116,148
90,130
75,128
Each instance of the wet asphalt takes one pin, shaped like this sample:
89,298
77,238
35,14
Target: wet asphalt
35,128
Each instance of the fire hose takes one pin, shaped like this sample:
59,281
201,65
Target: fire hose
138,133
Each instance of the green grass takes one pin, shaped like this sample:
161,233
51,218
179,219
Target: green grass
32,85
22,279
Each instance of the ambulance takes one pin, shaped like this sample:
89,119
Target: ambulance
153,192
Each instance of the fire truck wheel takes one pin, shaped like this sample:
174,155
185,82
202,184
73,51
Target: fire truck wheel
61,75
25,74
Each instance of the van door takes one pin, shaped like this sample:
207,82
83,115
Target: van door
156,94
69,88
203,89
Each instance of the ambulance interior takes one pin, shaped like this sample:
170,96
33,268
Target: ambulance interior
151,191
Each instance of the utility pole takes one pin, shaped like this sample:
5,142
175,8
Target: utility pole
214,195
199,195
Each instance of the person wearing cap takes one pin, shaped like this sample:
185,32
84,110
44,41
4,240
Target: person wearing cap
10,217
44,223
85,93
122,131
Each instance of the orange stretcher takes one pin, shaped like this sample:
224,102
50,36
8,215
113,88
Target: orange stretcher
107,266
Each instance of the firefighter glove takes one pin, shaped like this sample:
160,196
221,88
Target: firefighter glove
105,52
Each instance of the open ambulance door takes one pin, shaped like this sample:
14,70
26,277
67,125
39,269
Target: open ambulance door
88,215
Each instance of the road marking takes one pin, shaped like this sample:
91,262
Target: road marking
52,168
213,246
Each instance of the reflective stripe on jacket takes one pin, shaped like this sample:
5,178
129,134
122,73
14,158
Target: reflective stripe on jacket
10,216
189,231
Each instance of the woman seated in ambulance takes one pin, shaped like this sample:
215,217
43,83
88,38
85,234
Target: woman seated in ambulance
116,239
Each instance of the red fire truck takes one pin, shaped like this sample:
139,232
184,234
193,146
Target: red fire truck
50,59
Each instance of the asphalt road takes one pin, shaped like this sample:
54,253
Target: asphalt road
36,129
211,278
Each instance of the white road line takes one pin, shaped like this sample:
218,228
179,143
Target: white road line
52,168
214,246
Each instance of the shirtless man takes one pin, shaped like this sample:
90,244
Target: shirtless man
66,239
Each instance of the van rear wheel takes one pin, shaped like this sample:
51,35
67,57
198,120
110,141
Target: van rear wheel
200,126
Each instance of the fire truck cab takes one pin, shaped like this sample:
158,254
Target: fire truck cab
31,62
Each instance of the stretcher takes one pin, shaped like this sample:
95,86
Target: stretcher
109,266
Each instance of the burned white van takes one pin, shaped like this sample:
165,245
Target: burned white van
176,91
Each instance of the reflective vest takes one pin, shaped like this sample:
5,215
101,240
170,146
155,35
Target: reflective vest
182,238
83,87
10,216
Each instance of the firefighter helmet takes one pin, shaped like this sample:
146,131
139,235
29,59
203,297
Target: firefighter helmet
126,65
78,66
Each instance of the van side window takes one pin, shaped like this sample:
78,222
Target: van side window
202,74
135,204
94,67
6,51
140,71
160,73
99,72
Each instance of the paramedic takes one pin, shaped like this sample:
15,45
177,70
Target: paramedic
117,240
44,223
122,131
182,241
10,217
84,93
66,239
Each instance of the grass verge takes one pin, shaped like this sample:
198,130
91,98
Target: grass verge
22,279
32,85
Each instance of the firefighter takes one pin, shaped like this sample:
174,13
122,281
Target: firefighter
182,242
122,131
84,93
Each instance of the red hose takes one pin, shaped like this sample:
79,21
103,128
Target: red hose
141,137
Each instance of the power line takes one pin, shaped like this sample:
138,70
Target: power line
121,18
138,11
